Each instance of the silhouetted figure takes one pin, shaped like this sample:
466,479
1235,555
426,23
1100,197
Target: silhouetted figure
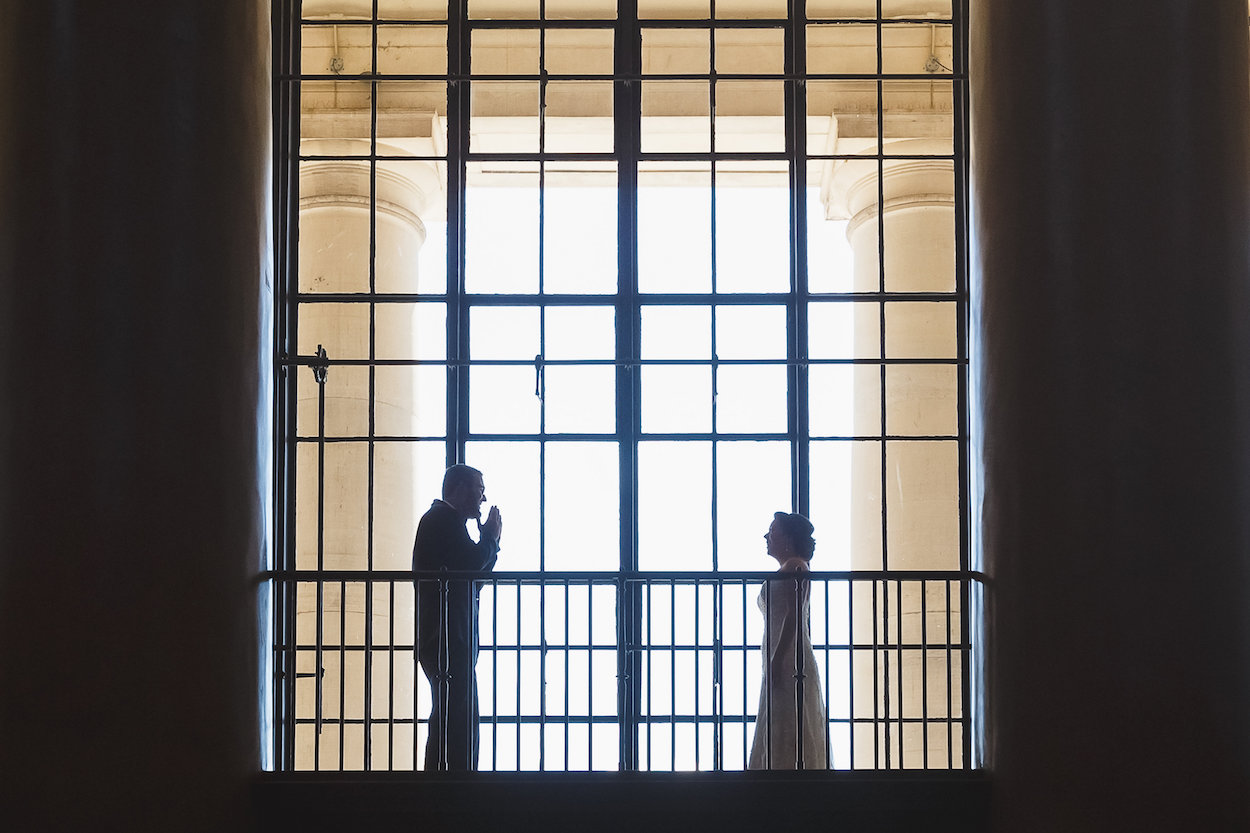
791,707
443,543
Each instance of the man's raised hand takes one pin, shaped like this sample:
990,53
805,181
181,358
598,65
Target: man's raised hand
493,526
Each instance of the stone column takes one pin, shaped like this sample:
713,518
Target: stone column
135,387
914,206
1111,414
335,232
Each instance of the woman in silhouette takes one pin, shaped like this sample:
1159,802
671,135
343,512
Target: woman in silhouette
790,726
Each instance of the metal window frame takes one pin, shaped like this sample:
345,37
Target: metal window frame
627,302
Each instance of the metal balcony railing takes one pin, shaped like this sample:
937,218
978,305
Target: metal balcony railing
631,671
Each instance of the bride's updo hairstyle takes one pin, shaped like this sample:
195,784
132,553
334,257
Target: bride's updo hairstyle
799,530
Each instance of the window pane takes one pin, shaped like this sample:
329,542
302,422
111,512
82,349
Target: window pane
751,9
502,400
674,505
676,332
346,403
915,8
750,332
674,229
579,231
676,399
412,50
583,507
330,110
846,497
580,333
750,51
580,9
753,482
505,51
409,114
915,48
844,330
920,240
855,190
676,51
503,9
504,333
579,51
501,229
409,9
580,399
830,261
662,9
842,50
751,399
923,505
410,249
578,117
405,475
841,118
676,117
503,117
750,116
342,329
849,9
411,331
341,49
334,227
410,401
346,490
915,330
510,472
831,502
844,400
920,110
752,232
921,400
350,9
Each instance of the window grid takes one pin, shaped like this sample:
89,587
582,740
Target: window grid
628,362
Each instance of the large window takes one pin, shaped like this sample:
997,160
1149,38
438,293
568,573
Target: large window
658,269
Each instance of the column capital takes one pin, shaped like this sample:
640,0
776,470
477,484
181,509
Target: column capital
345,183
849,187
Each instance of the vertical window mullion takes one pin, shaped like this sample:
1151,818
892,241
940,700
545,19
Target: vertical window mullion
371,456
286,60
590,677
881,306
961,149
542,400
627,68
458,103
796,313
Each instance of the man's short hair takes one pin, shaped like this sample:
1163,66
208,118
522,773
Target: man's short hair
457,476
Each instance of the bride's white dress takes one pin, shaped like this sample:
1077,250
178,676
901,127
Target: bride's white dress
778,725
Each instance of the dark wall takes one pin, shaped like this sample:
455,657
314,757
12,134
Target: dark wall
1110,185
732,802
134,279
1110,293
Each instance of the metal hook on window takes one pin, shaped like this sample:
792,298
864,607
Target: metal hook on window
320,365
538,377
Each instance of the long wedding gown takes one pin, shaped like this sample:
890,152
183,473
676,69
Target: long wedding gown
784,604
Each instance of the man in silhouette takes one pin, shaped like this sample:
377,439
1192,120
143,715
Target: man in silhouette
447,621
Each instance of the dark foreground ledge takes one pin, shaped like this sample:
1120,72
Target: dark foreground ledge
635,802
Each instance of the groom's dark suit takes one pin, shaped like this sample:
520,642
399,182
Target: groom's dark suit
443,543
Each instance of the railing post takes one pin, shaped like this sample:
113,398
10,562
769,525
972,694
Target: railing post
444,677
799,661
768,673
